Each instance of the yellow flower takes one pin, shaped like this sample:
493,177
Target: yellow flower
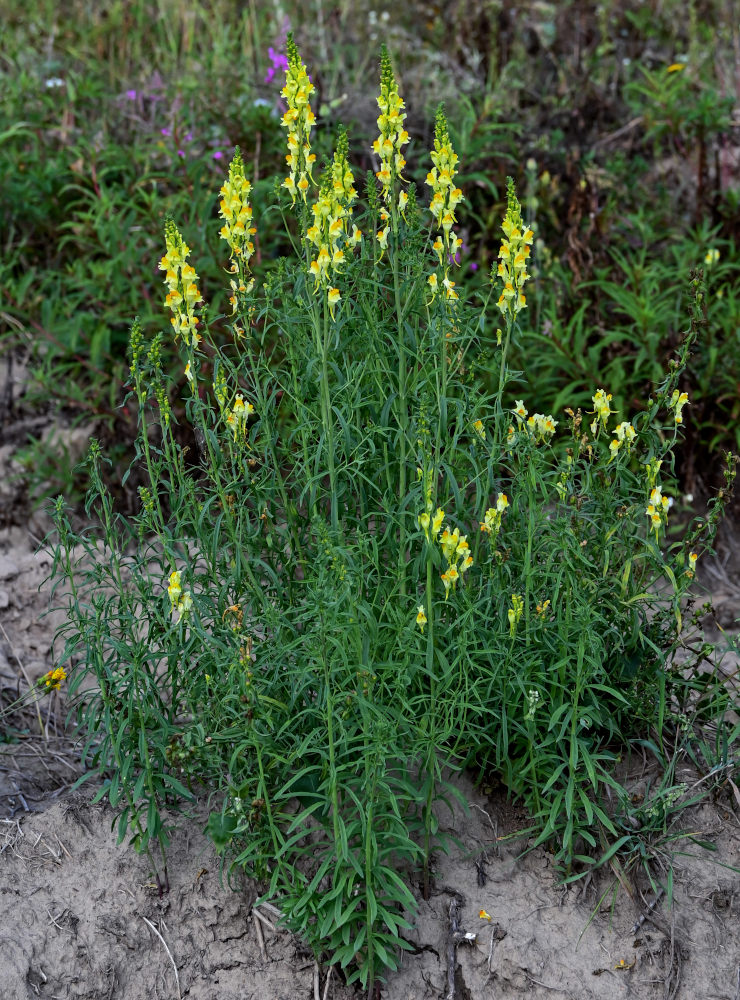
382,238
479,429
450,578
53,679
691,571
601,410
174,589
437,522
711,257
483,915
333,297
520,410
677,403
421,618
237,417
424,521
675,67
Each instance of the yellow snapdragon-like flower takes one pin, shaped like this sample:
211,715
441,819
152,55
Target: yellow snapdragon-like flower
513,256
299,119
541,427
421,618
388,147
677,403
625,435
238,416
180,600
493,517
181,280
446,196
53,678
657,509
601,410
237,230
691,571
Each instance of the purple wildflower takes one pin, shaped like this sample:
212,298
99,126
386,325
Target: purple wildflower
279,62
189,137
218,155
181,152
165,131
131,94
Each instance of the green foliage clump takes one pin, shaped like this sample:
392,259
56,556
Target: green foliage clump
371,566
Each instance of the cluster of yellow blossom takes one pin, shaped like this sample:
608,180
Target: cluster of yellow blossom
515,613
657,509
479,429
332,214
677,403
601,409
393,136
53,679
445,199
491,522
238,415
539,427
180,600
181,280
456,551
625,434
431,525
513,255
299,119
238,230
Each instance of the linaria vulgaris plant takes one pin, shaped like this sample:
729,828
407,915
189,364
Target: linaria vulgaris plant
366,570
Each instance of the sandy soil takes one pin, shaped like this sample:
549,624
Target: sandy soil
81,917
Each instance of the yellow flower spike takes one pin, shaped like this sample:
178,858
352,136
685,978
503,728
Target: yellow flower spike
512,256
421,618
181,281
298,119
445,199
393,136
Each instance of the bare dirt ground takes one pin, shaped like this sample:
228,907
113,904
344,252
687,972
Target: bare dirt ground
81,918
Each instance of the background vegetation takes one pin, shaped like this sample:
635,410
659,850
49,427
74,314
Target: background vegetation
617,120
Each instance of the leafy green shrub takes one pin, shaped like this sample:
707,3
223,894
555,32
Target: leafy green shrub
368,570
